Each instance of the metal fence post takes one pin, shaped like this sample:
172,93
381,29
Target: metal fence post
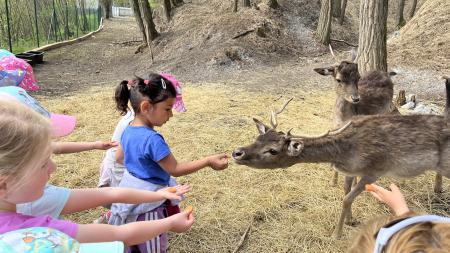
67,23
9,28
36,23
54,22
76,18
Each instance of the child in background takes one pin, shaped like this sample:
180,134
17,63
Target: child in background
111,172
25,167
146,155
405,232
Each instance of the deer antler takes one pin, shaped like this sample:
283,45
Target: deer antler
354,55
332,132
273,114
332,53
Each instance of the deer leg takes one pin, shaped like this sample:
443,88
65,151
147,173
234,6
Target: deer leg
334,181
355,181
438,183
348,200
348,183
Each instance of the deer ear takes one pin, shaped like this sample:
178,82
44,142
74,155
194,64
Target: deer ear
325,71
262,129
295,148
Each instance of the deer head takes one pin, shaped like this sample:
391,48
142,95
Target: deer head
271,149
274,149
346,77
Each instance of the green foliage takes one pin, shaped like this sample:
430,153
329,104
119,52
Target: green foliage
56,20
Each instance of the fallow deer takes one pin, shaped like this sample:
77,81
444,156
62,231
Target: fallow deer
356,95
367,146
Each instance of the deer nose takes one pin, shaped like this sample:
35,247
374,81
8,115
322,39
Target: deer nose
238,154
355,99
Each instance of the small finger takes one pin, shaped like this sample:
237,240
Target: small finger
376,196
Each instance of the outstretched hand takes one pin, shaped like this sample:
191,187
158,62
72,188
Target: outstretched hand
104,145
218,162
393,198
175,192
182,221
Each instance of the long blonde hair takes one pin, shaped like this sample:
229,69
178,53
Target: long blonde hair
23,135
426,237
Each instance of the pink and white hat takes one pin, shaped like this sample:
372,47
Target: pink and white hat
62,125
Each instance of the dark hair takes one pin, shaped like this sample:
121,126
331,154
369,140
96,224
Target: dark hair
151,87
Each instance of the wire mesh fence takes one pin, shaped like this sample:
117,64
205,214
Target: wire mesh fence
27,24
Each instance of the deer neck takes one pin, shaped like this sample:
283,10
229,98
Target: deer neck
327,149
343,110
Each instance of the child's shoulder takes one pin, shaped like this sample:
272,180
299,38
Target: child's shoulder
142,133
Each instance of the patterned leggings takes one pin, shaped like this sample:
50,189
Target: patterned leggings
160,243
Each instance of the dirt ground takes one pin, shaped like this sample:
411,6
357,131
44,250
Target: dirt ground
227,82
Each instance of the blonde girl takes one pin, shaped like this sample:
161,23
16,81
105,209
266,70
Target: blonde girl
406,232
25,168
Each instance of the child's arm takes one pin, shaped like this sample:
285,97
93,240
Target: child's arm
119,154
393,198
82,199
73,147
135,232
170,164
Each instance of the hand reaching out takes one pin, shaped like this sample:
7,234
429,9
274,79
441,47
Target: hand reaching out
175,192
393,198
104,145
181,222
218,162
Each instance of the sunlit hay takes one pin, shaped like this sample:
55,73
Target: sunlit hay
290,210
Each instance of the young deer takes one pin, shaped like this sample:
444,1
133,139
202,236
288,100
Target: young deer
367,146
356,95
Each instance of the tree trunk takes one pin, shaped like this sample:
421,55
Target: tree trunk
246,3
107,8
336,8
137,16
413,9
147,18
167,9
273,4
176,3
324,26
372,53
235,5
343,7
400,18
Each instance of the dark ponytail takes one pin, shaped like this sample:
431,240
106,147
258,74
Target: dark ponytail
121,96
152,87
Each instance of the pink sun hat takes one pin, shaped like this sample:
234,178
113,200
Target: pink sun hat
62,125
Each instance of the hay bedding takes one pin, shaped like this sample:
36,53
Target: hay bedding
291,210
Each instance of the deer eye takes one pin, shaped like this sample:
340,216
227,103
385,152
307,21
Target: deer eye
338,80
273,151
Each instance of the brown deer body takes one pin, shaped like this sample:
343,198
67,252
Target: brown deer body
368,147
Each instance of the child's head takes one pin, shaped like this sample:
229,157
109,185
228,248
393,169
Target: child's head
24,152
152,95
427,237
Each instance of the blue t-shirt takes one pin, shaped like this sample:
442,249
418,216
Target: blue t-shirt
143,148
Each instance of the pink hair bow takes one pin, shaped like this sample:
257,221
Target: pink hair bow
178,105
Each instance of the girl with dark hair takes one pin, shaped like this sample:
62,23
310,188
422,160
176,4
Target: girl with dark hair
144,152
